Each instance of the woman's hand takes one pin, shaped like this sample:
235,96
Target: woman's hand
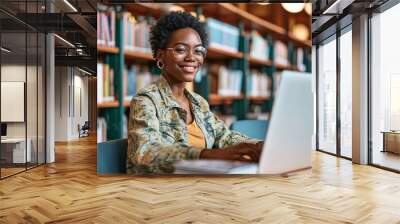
248,152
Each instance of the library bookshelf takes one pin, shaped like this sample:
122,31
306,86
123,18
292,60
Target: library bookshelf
233,14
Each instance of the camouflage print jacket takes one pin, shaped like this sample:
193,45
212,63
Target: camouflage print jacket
157,132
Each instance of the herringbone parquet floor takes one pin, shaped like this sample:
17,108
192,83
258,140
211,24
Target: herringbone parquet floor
69,191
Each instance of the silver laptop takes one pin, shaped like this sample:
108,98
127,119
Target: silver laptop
288,142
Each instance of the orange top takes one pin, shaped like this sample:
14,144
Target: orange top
195,136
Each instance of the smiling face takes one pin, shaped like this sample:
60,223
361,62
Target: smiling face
182,56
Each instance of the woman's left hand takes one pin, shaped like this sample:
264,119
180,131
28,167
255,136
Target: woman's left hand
258,146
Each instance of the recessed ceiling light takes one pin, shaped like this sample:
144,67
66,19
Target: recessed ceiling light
70,5
293,7
84,71
337,7
65,41
301,32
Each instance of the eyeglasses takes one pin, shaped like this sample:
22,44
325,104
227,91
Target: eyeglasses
181,51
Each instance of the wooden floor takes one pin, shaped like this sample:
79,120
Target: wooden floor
387,159
5,172
10,171
69,191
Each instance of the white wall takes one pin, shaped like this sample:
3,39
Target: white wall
81,84
61,103
71,87
14,73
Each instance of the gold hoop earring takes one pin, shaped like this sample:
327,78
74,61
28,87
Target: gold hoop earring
160,65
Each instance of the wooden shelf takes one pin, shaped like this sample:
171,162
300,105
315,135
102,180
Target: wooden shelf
229,13
295,68
215,99
286,67
127,103
258,99
255,61
220,53
283,67
107,104
144,9
251,21
138,55
112,104
107,49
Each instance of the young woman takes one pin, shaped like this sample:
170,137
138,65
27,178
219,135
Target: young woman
168,123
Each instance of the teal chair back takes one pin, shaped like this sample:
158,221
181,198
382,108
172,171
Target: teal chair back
252,128
111,156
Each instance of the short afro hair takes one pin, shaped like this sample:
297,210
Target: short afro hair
160,32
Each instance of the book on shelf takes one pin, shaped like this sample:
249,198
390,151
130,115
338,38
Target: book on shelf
229,82
224,81
129,82
125,125
222,35
300,59
136,33
101,129
136,78
258,84
259,47
281,53
105,83
106,26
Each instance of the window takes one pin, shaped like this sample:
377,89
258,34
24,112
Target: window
385,89
327,96
346,92
22,77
